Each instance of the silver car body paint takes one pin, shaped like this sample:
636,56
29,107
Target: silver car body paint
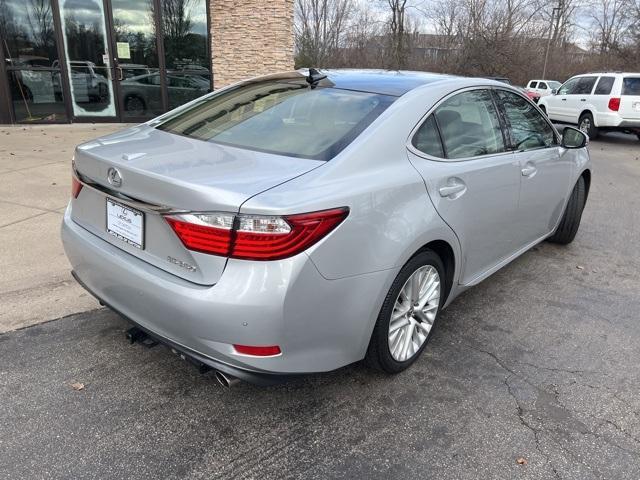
319,306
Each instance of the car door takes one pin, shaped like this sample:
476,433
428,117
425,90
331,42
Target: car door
545,172
558,105
472,179
579,98
543,88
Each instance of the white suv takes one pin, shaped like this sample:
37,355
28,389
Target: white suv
597,102
543,87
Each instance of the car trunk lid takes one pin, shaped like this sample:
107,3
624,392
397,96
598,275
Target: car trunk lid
162,172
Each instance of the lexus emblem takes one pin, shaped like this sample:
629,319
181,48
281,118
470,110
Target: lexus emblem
114,177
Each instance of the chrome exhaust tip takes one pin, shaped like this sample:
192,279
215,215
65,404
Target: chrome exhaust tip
227,381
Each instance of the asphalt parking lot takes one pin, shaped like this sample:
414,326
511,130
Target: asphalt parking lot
539,363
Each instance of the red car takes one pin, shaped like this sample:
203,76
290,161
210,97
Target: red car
535,96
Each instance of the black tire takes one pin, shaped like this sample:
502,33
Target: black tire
135,105
378,354
585,123
570,222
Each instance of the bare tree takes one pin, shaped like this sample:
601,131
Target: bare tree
320,27
397,53
611,21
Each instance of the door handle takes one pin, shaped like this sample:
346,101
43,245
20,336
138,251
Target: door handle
564,99
529,170
120,74
452,189
583,99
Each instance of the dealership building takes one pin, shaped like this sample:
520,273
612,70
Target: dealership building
130,60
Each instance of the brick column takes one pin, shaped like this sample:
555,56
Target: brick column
249,38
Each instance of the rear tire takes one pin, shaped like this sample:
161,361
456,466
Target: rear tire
429,274
586,125
568,227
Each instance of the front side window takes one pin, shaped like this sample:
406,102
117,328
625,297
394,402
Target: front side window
469,125
542,86
284,117
528,129
568,87
605,84
427,138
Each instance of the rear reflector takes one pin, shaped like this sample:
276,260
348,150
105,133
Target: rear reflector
76,186
255,237
269,351
614,104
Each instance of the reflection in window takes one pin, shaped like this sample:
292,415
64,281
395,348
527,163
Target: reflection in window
86,46
469,125
26,32
184,24
528,128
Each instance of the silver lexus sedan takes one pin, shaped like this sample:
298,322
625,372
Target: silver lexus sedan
299,222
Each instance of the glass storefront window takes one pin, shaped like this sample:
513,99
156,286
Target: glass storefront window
138,73
88,58
112,68
31,60
184,24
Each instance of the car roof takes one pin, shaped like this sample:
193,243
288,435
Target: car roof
384,82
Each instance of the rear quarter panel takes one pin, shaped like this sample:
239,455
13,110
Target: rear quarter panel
391,215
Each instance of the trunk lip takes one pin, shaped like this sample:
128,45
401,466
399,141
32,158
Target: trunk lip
126,199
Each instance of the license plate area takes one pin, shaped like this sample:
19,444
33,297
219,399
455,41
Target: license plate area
125,223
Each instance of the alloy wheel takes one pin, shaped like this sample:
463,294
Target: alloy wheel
414,312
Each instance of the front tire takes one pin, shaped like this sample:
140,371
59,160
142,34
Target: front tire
408,314
566,231
586,124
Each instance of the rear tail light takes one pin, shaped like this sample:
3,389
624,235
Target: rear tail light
76,186
254,237
268,351
614,104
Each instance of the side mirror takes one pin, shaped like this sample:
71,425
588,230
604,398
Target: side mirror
554,92
574,138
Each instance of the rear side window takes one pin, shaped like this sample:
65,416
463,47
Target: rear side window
427,139
542,85
527,128
605,84
469,125
585,85
533,84
281,117
631,86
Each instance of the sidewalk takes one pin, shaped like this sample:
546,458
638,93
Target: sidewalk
35,176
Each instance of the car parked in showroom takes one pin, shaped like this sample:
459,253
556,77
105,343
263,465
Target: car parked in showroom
543,87
597,103
303,221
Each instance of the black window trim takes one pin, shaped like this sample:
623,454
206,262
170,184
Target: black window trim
409,143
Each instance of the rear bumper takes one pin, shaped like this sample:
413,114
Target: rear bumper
319,324
257,378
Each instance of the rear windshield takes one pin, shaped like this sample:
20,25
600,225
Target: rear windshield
631,86
282,117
